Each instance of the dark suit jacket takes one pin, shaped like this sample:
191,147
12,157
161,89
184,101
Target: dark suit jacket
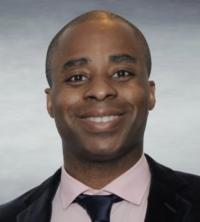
174,197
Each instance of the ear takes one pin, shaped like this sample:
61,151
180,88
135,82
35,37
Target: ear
152,99
49,102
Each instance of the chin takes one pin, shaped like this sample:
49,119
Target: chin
103,151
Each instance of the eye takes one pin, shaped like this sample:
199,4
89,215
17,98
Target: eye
76,79
122,75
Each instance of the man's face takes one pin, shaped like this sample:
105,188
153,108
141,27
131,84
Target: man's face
100,95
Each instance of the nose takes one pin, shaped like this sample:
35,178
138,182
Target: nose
100,90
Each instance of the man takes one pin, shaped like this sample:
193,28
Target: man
99,95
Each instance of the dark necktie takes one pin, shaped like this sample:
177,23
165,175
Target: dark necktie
98,207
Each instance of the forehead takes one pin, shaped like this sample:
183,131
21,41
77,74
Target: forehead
98,33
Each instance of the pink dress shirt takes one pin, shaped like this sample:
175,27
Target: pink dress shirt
132,186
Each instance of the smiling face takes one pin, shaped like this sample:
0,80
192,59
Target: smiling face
100,96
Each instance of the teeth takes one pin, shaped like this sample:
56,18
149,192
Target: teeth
102,119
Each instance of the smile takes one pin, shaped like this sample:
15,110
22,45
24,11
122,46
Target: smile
102,123
103,119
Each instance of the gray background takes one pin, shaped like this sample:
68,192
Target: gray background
30,148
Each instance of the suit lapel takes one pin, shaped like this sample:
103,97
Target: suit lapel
165,203
39,205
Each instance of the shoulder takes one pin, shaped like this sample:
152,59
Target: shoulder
192,185
10,210
185,184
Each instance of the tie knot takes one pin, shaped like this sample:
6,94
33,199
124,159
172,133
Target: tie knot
98,207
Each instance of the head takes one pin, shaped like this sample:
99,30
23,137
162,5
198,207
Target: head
99,93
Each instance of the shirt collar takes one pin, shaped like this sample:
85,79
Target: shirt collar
131,185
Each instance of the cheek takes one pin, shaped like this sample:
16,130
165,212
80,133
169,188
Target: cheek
65,108
65,103
136,96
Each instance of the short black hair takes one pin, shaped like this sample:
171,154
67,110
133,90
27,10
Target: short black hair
93,15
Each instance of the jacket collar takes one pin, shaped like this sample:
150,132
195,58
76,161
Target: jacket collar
165,203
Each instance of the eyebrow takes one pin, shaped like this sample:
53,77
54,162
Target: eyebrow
75,62
112,58
122,58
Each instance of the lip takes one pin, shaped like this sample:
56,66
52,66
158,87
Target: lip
100,112
110,120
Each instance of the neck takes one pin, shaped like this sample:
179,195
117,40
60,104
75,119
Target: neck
98,174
